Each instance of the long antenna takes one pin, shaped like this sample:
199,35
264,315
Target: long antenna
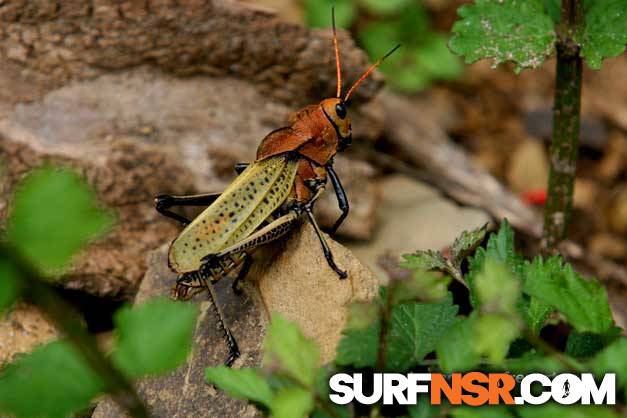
368,71
337,55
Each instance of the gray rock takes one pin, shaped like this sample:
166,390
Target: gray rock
291,278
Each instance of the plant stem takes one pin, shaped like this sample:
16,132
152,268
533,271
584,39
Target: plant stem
565,142
64,316
386,314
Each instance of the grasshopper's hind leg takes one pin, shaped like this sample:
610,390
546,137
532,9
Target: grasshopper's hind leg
228,336
164,202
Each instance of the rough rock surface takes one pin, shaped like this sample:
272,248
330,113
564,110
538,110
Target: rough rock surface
54,42
291,278
22,329
128,94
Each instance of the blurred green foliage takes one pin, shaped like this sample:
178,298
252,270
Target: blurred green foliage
498,334
53,214
424,56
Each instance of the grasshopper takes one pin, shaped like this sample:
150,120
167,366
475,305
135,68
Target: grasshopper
265,201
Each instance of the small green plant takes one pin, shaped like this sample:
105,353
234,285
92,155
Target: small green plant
53,215
526,32
414,325
424,57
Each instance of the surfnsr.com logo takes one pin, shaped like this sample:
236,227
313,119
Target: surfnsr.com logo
473,388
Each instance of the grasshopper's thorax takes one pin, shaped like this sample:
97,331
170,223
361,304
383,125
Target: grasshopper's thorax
328,132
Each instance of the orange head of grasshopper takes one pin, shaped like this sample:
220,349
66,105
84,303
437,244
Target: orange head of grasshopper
336,109
319,131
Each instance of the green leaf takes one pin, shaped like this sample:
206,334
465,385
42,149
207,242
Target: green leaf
292,403
613,359
455,350
533,362
318,13
287,350
153,337
552,8
551,410
584,344
53,381
361,315
493,335
467,243
500,247
358,348
423,409
323,390
385,7
583,302
53,215
241,383
497,289
604,35
505,30
9,283
377,38
421,287
535,313
425,261
488,411
434,58
415,330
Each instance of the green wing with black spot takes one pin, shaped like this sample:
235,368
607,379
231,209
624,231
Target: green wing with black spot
252,197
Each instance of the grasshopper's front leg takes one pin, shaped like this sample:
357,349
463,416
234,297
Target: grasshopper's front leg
308,208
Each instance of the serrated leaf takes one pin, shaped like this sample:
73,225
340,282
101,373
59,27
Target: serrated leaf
245,383
455,350
500,247
53,381
153,337
467,243
535,313
613,359
9,283
53,215
318,13
287,350
425,261
604,35
415,330
361,315
493,335
292,403
385,7
583,302
358,348
497,289
516,31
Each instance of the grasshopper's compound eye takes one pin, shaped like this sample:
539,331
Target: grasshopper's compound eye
340,110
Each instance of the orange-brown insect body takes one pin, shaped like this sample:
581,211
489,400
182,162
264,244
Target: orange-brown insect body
316,134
